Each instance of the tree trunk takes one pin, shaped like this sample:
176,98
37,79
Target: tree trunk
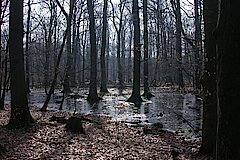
103,87
146,93
197,48
27,47
209,80
1,69
177,12
6,78
92,96
179,46
228,86
20,114
130,57
135,97
69,65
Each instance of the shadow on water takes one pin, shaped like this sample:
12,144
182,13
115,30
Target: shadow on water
180,113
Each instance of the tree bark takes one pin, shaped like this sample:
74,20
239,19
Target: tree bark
20,114
228,86
209,127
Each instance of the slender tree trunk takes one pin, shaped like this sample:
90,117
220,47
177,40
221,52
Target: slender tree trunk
156,70
74,50
27,48
209,80
120,71
92,96
135,97
130,58
48,46
1,73
103,87
179,74
83,56
146,93
5,79
20,115
69,65
228,86
197,47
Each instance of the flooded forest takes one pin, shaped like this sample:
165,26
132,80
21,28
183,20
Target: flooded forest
119,79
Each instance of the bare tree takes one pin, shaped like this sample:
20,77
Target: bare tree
103,87
92,96
179,75
146,75
119,30
136,97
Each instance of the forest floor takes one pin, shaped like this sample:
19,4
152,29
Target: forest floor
110,140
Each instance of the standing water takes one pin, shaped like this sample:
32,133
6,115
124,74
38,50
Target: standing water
177,112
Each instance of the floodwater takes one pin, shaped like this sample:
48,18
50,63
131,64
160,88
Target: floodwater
178,112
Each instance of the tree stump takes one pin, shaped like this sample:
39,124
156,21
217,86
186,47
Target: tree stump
74,125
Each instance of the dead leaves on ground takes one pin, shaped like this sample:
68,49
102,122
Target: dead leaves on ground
113,140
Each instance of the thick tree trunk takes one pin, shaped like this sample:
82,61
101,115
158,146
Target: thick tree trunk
20,114
136,97
228,86
209,80
103,87
92,96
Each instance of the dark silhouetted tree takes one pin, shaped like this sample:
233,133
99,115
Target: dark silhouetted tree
92,96
146,93
179,75
20,114
103,87
136,97
228,86
209,80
